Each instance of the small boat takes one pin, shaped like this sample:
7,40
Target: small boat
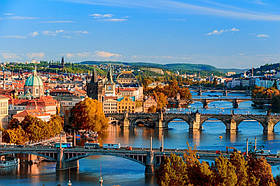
8,163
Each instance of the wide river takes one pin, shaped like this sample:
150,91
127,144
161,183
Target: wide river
118,171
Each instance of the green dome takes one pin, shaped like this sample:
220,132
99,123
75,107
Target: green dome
34,80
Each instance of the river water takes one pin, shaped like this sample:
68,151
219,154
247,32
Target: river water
118,171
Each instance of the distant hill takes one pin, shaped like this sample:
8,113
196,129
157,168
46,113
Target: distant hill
173,66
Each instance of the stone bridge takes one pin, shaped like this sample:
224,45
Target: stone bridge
235,101
225,92
195,120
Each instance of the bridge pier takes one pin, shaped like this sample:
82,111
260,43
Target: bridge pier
195,123
268,127
231,126
61,164
235,103
205,103
125,122
160,122
150,165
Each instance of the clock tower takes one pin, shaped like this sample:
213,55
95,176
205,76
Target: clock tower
110,86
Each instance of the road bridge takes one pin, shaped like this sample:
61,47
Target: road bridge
68,157
195,120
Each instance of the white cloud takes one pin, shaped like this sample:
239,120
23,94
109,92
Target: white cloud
114,20
8,14
13,37
106,54
34,34
58,21
52,33
21,18
263,36
108,17
101,15
221,10
70,55
35,55
218,32
9,55
81,32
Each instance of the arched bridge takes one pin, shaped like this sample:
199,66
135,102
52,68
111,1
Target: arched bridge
194,119
68,157
150,158
235,101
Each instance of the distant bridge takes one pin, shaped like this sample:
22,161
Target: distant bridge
235,101
68,158
195,120
225,92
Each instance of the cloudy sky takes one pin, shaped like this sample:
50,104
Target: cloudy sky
231,33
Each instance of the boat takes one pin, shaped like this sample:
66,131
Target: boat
8,162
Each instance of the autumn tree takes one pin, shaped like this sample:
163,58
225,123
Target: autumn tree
14,123
88,115
56,124
260,170
15,135
161,100
152,109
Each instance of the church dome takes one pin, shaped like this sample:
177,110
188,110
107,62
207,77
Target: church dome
34,80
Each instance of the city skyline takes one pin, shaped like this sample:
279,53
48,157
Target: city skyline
239,34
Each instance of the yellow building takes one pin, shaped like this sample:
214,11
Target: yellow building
126,104
4,111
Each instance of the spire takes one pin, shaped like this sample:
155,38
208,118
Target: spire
110,74
94,77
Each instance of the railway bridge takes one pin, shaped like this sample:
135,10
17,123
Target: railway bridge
195,120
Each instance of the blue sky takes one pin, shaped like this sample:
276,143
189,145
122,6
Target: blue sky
227,34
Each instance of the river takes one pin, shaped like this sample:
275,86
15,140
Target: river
118,171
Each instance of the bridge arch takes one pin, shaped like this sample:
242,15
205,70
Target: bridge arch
167,121
217,127
31,153
142,161
254,124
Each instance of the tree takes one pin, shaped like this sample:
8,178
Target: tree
241,167
161,100
15,135
224,172
152,109
260,169
56,124
89,115
14,123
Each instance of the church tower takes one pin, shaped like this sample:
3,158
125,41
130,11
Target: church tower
92,86
110,86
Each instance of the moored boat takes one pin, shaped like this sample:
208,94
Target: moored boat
8,163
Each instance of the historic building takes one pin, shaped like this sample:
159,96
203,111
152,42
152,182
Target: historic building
4,117
92,86
149,102
33,87
124,95
110,86
126,77
126,104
